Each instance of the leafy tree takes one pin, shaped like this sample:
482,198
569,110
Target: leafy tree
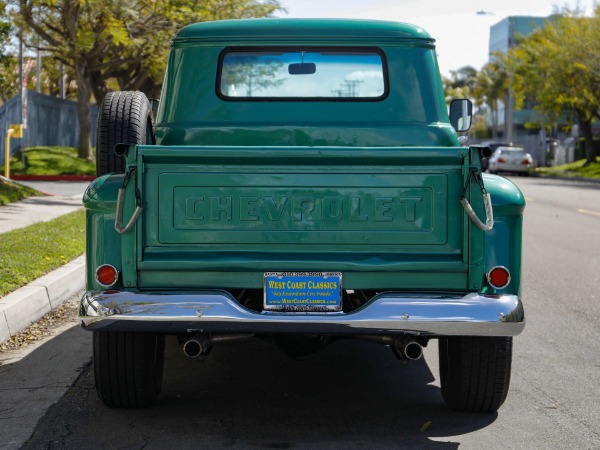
9,63
9,84
125,41
486,87
252,73
558,68
4,27
461,84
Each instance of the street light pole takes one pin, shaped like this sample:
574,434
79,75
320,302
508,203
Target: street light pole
510,99
21,61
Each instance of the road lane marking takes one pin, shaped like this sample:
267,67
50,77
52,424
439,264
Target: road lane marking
592,213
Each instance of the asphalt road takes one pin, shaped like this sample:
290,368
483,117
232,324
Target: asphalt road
355,394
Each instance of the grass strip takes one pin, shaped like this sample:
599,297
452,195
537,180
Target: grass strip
51,161
573,170
12,192
28,253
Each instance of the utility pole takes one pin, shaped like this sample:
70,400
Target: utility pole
61,84
21,62
38,82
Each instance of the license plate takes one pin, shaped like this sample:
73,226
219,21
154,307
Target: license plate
303,291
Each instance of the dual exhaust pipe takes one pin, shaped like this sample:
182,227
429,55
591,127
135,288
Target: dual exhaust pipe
405,348
201,344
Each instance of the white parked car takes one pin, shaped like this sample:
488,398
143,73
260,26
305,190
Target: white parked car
510,159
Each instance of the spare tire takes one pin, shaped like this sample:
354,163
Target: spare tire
125,117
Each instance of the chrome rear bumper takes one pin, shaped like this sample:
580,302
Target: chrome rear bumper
387,313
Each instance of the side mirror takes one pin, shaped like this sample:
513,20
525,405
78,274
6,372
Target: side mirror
461,114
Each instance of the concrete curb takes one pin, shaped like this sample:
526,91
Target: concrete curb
23,307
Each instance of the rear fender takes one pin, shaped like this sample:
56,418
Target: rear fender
504,242
103,243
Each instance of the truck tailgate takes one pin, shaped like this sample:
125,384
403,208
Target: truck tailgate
223,216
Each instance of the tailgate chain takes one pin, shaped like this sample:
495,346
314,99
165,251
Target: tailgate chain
487,201
121,199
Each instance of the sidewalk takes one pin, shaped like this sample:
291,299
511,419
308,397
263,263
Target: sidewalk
21,308
36,209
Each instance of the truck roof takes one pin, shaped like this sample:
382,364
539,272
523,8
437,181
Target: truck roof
318,29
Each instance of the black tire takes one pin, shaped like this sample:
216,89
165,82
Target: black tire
475,372
124,118
128,368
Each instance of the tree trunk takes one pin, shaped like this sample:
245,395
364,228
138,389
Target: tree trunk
494,109
83,112
98,86
588,137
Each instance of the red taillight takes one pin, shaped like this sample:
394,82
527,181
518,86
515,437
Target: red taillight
501,160
525,162
107,275
498,277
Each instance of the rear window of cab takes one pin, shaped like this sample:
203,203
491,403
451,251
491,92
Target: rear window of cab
347,74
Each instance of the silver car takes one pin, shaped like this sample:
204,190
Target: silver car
510,159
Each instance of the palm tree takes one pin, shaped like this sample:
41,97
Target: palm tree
492,86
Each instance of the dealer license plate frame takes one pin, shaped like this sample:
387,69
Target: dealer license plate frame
302,292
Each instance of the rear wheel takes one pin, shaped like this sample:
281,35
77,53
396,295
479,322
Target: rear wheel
128,367
475,372
124,118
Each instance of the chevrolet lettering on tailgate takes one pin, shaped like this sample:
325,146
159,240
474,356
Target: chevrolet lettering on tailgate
302,208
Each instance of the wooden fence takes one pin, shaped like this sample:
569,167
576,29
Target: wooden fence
50,121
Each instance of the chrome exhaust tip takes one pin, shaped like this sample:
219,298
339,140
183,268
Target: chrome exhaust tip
192,348
413,350
407,349
201,344
197,346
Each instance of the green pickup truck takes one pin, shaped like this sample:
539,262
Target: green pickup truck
300,181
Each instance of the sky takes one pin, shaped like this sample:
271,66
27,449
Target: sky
462,35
